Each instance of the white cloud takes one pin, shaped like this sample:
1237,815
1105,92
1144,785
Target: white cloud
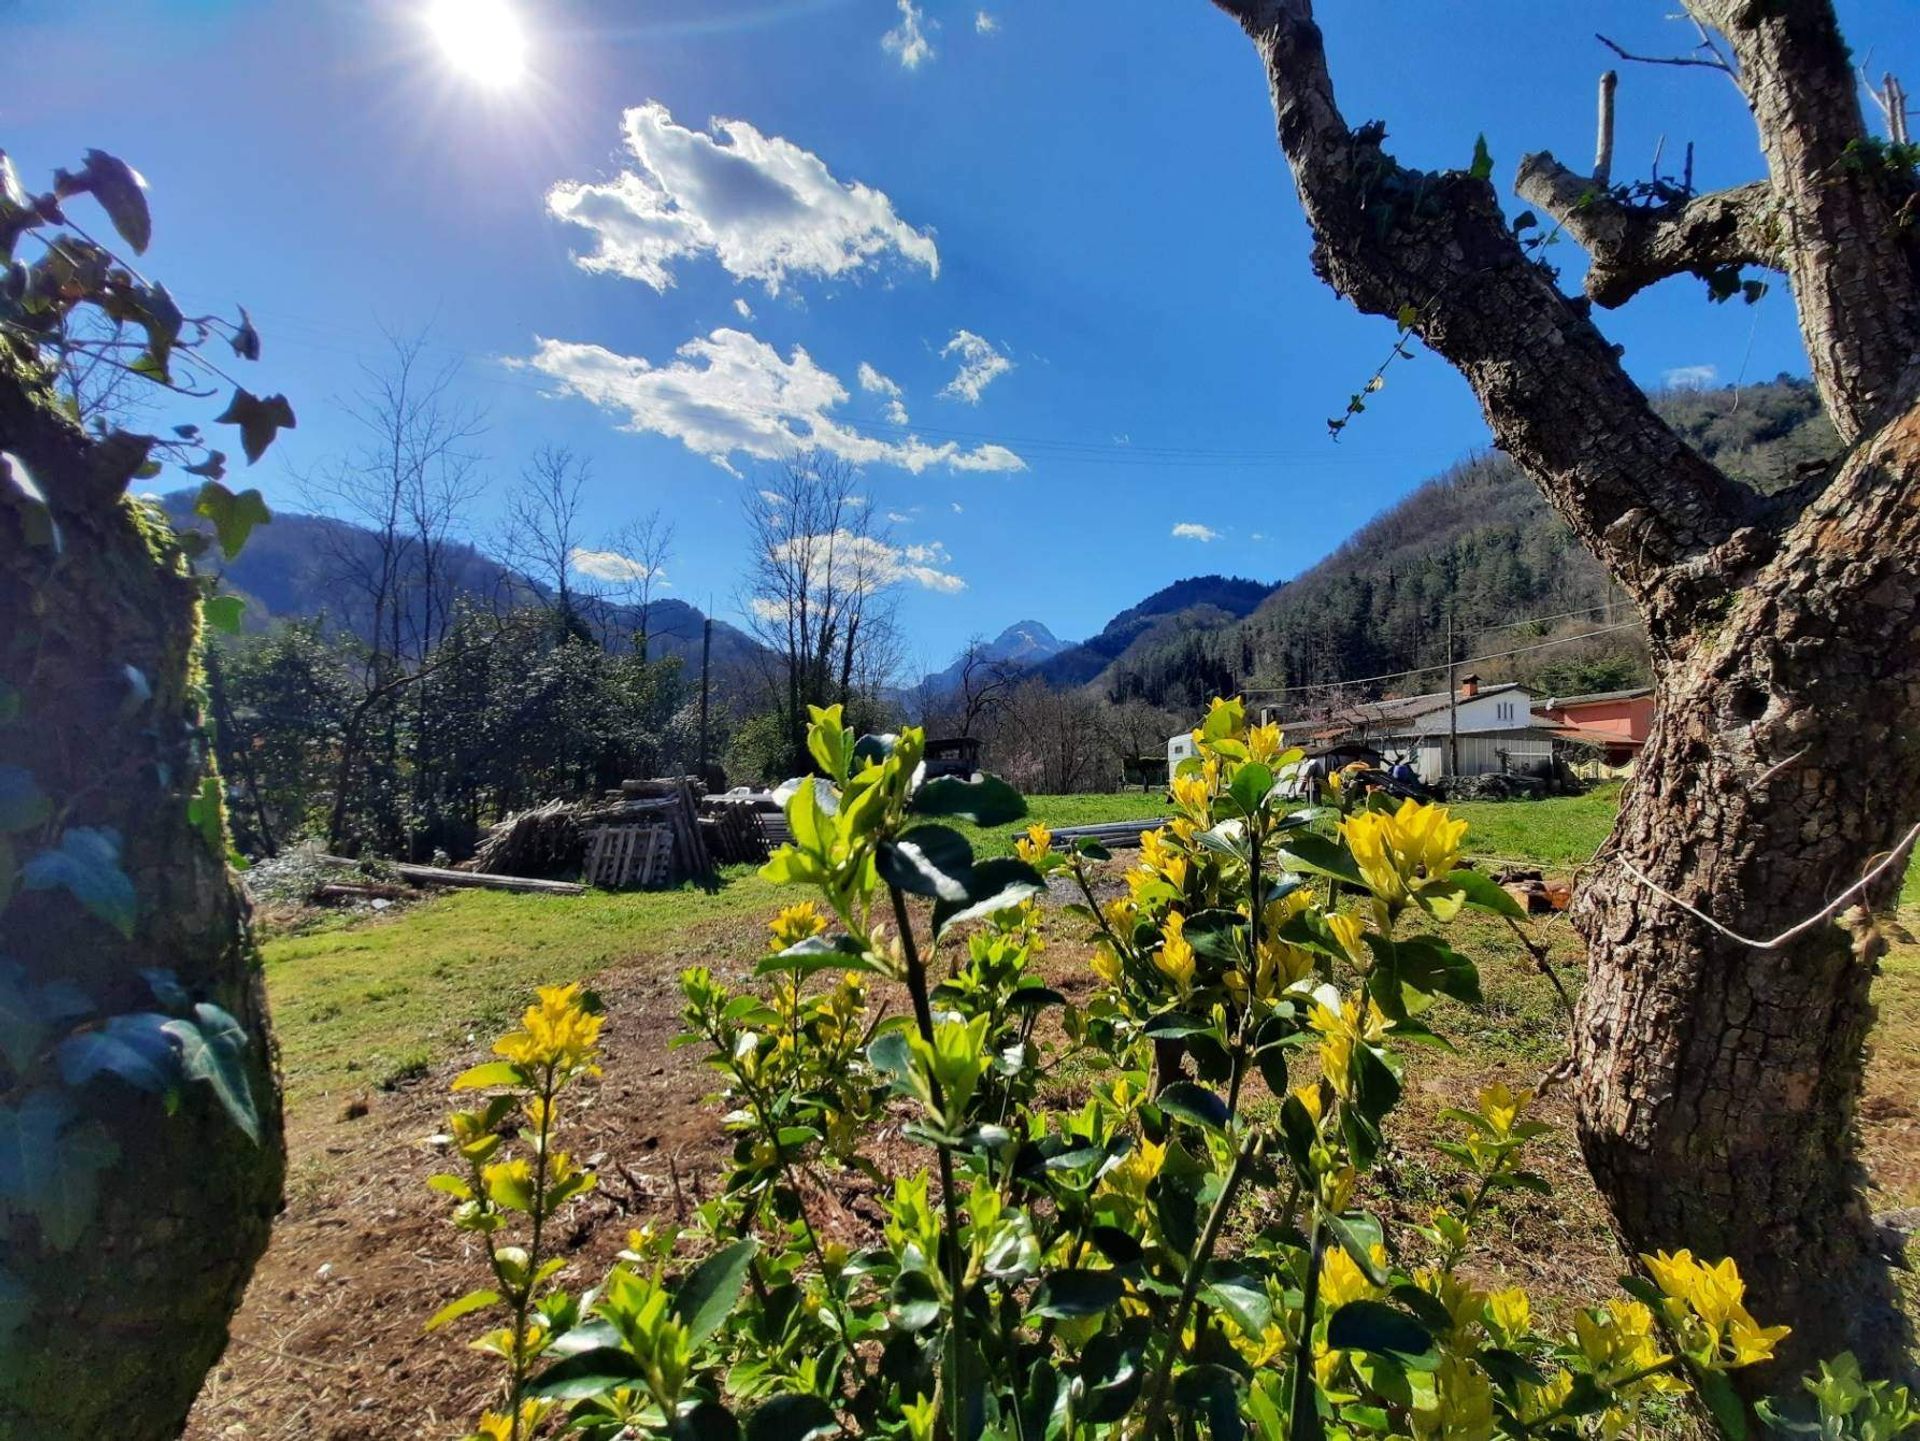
729,394
866,563
958,508
1691,377
899,517
763,207
908,40
984,23
611,565
1192,530
874,383
1257,535
980,366
742,309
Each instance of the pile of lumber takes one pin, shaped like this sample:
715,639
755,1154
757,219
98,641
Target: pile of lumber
1111,834
672,803
547,841
733,832
1535,891
440,876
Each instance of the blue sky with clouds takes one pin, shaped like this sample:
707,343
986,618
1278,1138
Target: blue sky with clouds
1033,265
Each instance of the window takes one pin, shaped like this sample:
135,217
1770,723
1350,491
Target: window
1504,710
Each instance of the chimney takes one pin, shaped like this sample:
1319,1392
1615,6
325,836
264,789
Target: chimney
1469,687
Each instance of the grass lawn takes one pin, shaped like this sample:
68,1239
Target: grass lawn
1061,811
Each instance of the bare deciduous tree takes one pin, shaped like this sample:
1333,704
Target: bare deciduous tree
546,528
639,553
819,589
1718,1068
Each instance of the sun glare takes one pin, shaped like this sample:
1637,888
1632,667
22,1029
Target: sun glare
480,38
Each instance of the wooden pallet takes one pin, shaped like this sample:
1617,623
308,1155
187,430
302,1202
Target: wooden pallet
623,856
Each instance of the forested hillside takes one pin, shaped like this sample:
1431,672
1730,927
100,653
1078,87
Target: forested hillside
1479,538
1169,619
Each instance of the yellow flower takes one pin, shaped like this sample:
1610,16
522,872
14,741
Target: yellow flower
1705,1305
1281,965
1120,914
1037,842
1509,1312
1193,795
1538,1402
1463,1409
1464,1301
498,1425
1264,743
1500,1107
1417,842
1175,958
556,1031
1309,1097
1348,929
1357,1020
1106,963
796,924
1342,1280
1618,1341
1131,1176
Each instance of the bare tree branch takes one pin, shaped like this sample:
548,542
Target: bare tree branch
1434,251
1712,60
1632,247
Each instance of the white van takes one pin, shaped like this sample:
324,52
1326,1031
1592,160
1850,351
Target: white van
1179,748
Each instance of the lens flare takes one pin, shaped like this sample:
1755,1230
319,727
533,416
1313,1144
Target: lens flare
480,38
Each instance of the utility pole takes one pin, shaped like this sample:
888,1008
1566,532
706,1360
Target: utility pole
706,655
1453,702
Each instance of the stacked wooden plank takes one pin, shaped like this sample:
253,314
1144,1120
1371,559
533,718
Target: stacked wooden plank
1110,834
732,832
628,855
672,802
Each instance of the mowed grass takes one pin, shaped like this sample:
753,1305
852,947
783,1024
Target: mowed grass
372,1004
1061,811
1556,832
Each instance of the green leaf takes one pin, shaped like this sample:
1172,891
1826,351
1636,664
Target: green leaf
588,1373
1194,1103
122,193
1381,1330
489,1074
819,953
913,1301
1241,1293
211,1049
135,1047
1067,1294
1723,1401
988,801
50,1167
259,421
224,612
233,516
704,1421
465,1306
932,861
1484,893
994,886
791,1418
1482,166
19,490
1305,851
88,865
1358,1235
21,803
707,1296
1213,1391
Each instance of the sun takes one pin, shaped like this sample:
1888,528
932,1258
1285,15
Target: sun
480,38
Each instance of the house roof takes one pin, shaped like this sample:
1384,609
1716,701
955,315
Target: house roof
1596,698
1395,710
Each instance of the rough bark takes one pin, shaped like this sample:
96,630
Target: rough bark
1716,1080
123,1327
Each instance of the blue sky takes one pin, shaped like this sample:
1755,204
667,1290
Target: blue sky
1069,243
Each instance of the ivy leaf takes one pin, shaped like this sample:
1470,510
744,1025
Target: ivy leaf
707,1296
259,420
30,1013
87,864
122,193
19,490
49,1167
233,516
136,1048
1482,167
211,1047
21,803
224,612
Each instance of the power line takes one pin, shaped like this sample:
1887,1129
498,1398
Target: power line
1423,669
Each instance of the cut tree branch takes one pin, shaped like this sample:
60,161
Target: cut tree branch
1435,251
1712,60
1852,266
1634,246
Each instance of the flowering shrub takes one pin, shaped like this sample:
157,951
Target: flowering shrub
1136,1216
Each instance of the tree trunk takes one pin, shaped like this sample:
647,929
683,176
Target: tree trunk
1717,1081
1717,1077
100,653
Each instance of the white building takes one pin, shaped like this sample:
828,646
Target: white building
1492,728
